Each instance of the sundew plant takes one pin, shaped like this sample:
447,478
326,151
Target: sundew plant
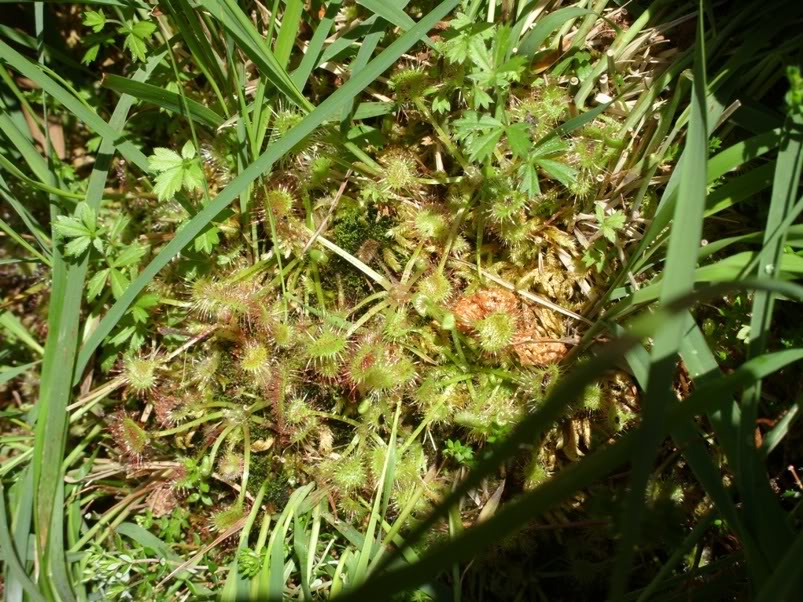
401,300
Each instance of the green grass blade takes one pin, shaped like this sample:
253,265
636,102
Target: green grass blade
761,507
381,498
254,46
535,38
71,103
286,38
276,151
27,218
787,576
61,346
10,557
678,280
694,536
12,234
163,98
270,583
301,547
301,75
7,373
16,329
392,12
704,369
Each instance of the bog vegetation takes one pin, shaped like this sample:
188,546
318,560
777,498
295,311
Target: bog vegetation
457,300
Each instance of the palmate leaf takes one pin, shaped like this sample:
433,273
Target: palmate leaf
164,159
518,138
168,183
177,171
528,179
483,146
94,19
136,34
565,174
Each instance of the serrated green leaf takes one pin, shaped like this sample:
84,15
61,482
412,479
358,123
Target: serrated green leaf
95,285
70,227
188,150
473,122
143,29
441,105
94,19
122,336
168,183
136,46
129,256
207,241
565,174
549,147
118,227
616,220
163,159
193,176
91,54
119,282
77,246
480,55
528,176
87,216
519,139
484,145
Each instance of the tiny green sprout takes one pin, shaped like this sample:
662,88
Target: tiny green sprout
611,223
347,474
81,228
137,32
429,225
496,332
326,347
140,373
400,171
592,397
94,19
228,518
279,201
254,357
129,435
459,452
